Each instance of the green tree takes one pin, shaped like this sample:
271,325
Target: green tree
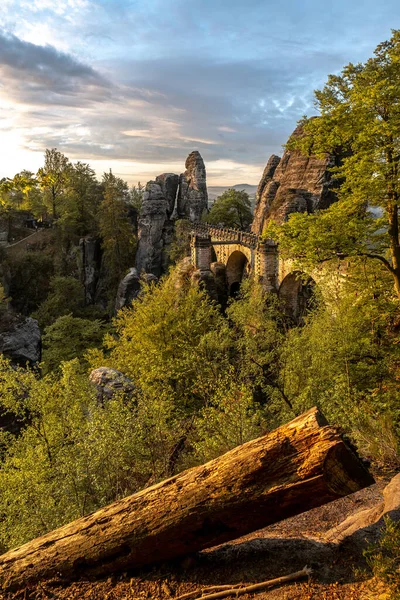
257,333
66,296
170,343
359,119
136,196
231,209
53,178
81,201
118,241
72,456
345,359
69,337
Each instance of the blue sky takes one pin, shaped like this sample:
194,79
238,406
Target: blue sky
136,85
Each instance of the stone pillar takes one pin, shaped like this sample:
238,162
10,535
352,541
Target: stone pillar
201,252
267,265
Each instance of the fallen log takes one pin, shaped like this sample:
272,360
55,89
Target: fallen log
299,466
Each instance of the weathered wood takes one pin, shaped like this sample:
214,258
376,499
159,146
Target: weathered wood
297,467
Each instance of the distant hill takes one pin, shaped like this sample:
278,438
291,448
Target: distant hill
216,190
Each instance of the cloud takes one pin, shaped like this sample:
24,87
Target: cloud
41,74
157,79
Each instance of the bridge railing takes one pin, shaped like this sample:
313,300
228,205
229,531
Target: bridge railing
225,234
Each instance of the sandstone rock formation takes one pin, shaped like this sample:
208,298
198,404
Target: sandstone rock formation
296,183
166,198
193,197
130,287
155,224
90,265
20,339
109,382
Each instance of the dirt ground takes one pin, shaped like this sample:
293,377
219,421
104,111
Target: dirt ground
278,550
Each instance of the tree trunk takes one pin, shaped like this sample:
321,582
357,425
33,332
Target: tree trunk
297,467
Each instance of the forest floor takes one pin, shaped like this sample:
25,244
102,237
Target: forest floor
280,549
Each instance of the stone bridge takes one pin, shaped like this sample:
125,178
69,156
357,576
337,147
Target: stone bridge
247,254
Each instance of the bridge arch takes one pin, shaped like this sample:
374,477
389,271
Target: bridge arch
296,294
237,267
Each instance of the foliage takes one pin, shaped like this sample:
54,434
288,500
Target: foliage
384,557
257,333
30,280
72,457
3,299
345,359
170,342
67,338
180,246
118,242
22,192
359,120
136,194
66,296
80,202
53,177
230,419
231,209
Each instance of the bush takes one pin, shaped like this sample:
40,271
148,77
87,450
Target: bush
384,557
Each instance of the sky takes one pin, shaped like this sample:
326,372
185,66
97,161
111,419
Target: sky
136,85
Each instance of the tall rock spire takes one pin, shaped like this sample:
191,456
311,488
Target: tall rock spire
193,197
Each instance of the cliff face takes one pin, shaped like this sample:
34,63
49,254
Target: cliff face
168,197
295,183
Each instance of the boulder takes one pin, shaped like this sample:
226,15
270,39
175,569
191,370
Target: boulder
295,183
109,382
193,196
20,339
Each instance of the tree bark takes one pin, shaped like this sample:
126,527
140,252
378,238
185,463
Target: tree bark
297,467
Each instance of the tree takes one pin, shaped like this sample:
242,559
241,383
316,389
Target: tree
359,119
171,343
53,177
231,209
81,202
136,196
67,338
66,296
118,241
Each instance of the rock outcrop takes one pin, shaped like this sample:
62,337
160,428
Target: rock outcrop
20,339
156,225
109,382
130,287
90,266
193,197
165,199
295,183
